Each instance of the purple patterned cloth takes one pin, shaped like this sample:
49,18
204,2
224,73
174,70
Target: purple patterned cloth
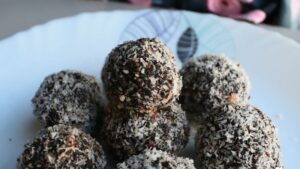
233,8
255,11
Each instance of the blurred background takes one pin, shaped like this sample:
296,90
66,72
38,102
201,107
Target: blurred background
282,16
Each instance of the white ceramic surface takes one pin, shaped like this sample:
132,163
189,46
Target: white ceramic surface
82,42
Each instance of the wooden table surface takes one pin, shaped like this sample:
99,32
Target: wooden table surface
18,15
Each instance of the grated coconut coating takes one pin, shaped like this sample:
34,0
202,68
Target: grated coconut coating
211,81
141,75
70,98
130,132
62,147
156,159
238,136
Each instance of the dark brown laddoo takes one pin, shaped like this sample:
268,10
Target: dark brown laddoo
152,158
141,75
62,147
237,136
69,98
209,82
130,132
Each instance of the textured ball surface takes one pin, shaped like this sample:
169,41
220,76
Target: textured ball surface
211,81
62,147
70,98
152,158
141,75
130,132
238,137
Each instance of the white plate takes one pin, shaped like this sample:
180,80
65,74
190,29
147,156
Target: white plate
82,42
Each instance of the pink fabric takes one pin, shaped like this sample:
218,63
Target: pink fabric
229,8
295,10
232,8
247,1
145,3
255,16
224,7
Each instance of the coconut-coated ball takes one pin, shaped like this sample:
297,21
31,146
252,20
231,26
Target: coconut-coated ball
238,136
130,132
141,75
152,158
62,146
210,81
70,98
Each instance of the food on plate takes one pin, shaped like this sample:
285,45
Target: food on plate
141,75
156,159
211,81
237,136
62,146
130,132
144,119
70,98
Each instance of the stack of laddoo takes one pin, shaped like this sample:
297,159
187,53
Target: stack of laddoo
67,105
141,114
231,133
142,85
